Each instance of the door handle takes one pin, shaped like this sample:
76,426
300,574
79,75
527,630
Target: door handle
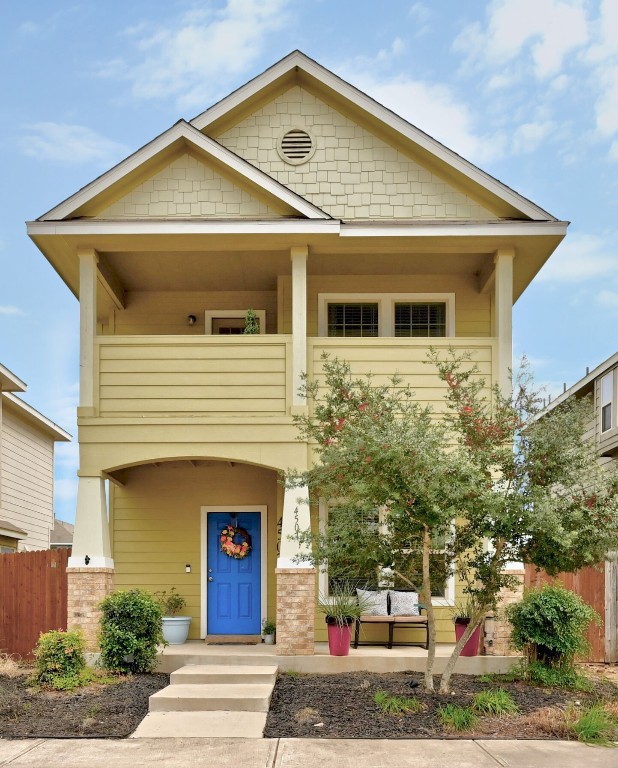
210,578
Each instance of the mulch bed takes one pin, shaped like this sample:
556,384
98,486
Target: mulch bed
99,711
342,707
303,706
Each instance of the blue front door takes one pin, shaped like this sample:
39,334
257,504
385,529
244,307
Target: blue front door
233,586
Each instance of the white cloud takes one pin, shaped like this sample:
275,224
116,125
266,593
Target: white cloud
206,49
581,257
433,108
529,136
71,144
9,309
547,30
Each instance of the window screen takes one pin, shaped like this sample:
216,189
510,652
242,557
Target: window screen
416,319
353,319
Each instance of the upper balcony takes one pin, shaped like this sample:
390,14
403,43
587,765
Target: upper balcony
250,377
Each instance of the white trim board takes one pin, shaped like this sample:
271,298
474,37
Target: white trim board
263,510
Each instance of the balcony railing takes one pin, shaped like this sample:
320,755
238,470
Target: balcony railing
250,376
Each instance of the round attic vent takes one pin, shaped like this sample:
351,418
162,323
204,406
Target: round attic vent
296,146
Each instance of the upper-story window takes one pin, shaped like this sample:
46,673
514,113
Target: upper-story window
607,401
353,319
396,314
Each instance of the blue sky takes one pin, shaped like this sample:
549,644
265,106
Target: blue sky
526,89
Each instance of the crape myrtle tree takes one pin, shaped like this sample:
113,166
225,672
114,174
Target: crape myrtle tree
489,478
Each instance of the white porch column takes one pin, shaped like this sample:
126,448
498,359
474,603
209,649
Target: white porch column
299,320
296,517
503,260
87,324
91,535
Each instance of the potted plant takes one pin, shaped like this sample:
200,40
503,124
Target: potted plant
341,608
463,611
268,631
252,323
175,628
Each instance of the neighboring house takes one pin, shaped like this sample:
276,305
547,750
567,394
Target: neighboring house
26,470
598,585
61,535
349,231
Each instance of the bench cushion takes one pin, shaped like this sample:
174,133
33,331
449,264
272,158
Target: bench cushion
409,619
378,601
403,603
369,619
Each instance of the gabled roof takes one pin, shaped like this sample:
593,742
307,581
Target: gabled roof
297,68
129,173
31,414
585,384
9,382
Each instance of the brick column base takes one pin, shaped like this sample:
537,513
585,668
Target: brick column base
502,628
86,588
295,611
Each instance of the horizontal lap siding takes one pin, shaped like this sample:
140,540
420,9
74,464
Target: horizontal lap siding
27,479
384,359
222,378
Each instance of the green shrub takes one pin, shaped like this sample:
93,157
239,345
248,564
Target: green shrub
457,718
60,660
549,625
495,702
130,631
595,726
396,705
556,677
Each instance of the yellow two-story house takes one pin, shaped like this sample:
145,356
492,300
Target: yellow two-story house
347,230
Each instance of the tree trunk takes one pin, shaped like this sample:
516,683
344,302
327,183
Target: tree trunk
450,664
431,623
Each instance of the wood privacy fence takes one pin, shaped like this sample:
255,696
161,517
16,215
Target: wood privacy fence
33,598
598,587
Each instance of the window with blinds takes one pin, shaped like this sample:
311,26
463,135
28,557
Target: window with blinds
420,319
353,319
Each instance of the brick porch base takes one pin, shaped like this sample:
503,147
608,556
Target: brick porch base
295,611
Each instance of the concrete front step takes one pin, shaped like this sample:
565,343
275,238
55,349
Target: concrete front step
237,697
225,725
224,674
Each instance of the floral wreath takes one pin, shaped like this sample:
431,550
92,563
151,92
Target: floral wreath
237,550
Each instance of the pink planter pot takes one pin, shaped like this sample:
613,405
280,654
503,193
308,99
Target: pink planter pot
471,648
339,640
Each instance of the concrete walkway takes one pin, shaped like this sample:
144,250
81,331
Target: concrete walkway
300,753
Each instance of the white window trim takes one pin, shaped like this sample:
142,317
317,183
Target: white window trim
386,308
449,591
240,314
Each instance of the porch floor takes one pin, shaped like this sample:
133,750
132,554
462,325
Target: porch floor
364,659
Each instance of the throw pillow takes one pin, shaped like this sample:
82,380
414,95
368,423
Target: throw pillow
377,602
404,603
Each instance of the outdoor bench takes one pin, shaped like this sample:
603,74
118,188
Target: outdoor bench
393,622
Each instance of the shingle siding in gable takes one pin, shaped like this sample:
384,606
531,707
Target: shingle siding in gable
353,174
187,188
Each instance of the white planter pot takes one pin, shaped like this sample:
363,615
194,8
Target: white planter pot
269,639
176,629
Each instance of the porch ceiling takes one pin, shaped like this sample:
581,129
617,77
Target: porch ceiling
258,270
